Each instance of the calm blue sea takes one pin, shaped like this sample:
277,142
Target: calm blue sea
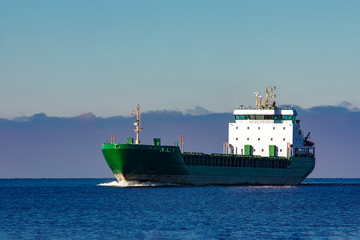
102,209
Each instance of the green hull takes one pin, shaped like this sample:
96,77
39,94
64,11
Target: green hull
167,164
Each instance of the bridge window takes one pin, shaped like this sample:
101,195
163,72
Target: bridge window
288,117
239,117
269,117
265,117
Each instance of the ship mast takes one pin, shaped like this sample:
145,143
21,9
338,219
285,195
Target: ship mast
138,128
269,99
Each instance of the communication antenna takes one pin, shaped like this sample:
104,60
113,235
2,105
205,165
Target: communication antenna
258,99
236,98
270,96
261,104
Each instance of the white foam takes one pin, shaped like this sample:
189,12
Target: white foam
125,184
273,186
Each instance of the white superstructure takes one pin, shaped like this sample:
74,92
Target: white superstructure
267,131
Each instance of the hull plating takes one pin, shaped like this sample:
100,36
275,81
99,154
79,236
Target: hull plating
165,164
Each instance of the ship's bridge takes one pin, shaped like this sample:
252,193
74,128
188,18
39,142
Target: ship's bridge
265,114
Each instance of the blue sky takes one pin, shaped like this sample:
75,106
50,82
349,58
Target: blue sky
66,57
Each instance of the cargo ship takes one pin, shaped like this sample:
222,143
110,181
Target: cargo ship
265,147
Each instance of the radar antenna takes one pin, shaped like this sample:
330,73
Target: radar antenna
270,96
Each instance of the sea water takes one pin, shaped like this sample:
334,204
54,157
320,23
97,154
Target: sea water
105,209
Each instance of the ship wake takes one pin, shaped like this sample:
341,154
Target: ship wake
129,184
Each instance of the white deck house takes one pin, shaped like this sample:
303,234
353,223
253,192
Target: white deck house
267,131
